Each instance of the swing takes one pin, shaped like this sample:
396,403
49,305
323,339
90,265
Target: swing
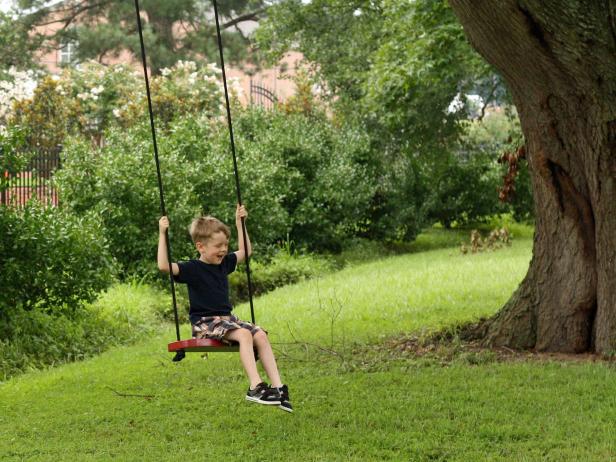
181,347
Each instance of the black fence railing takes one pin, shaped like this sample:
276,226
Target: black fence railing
262,96
32,182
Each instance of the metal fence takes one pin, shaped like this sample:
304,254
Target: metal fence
32,182
262,96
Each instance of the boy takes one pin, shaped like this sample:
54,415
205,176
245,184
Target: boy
210,308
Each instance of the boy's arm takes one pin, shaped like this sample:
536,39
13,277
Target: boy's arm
240,253
163,262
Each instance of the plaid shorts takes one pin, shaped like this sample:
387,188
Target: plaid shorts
216,327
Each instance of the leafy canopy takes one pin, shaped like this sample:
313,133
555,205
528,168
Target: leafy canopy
396,64
173,30
17,47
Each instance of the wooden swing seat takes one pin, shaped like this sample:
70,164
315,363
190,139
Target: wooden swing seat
201,344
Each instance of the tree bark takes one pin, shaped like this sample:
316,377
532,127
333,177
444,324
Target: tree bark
558,59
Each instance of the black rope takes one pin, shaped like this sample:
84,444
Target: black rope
180,353
235,169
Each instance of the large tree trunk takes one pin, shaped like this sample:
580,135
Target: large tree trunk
559,61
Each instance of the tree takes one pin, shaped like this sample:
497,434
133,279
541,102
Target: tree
397,64
395,67
17,48
173,30
557,59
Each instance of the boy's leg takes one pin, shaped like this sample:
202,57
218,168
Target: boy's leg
267,358
258,392
269,364
247,356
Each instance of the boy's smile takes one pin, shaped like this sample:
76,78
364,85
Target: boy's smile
214,249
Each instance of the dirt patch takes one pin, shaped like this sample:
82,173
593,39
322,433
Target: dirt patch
446,347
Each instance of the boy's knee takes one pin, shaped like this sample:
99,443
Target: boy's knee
243,335
260,337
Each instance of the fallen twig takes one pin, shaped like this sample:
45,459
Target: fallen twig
131,395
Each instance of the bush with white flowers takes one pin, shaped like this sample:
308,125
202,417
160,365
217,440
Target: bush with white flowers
91,97
19,85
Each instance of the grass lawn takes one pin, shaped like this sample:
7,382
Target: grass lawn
133,403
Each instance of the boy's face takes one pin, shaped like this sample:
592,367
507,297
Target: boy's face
214,249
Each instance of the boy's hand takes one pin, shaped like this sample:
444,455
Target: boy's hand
163,224
240,212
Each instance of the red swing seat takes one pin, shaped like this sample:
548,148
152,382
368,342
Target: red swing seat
201,344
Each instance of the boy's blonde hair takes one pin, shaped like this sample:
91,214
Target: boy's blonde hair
203,228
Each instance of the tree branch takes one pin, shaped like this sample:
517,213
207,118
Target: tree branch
239,31
131,395
74,12
487,101
252,16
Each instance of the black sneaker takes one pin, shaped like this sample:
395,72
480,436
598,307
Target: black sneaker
285,404
263,394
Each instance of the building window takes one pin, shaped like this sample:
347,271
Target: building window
68,53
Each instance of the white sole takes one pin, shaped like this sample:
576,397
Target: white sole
286,409
257,400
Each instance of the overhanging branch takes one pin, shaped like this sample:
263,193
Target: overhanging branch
73,12
252,16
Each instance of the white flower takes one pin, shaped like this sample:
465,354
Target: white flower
83,96
186,65
165,71
455,105
212,67
236,86
19,86
117,113
97,90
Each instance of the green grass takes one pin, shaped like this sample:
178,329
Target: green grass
427,290
401,409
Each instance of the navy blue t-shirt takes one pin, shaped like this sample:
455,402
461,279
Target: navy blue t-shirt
208,286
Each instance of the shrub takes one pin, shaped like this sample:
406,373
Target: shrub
118,184
466,181
299,175
323,182
281,270
32,339
45,118
464,189
361,250
15,85
205,146
92,97
397,211
13,158
51,259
